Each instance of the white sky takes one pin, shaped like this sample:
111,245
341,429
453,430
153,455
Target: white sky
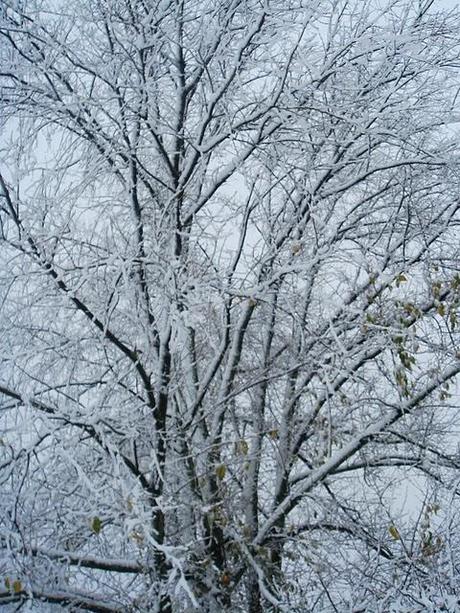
447,4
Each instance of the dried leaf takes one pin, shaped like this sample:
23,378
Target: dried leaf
242,447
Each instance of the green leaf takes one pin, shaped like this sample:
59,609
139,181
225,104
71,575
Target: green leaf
96,525
393,530
221,471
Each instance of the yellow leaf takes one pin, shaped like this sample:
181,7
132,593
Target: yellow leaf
441,309
273,434
436,288
7,583
221,471
401,278
393,530
137,536
96,525
17,586
242,447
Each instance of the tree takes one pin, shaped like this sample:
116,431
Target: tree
229,289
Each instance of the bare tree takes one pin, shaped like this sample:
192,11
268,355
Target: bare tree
229,293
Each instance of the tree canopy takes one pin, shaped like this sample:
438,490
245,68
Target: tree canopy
229,290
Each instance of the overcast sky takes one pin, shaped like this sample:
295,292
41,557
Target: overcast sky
448,3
